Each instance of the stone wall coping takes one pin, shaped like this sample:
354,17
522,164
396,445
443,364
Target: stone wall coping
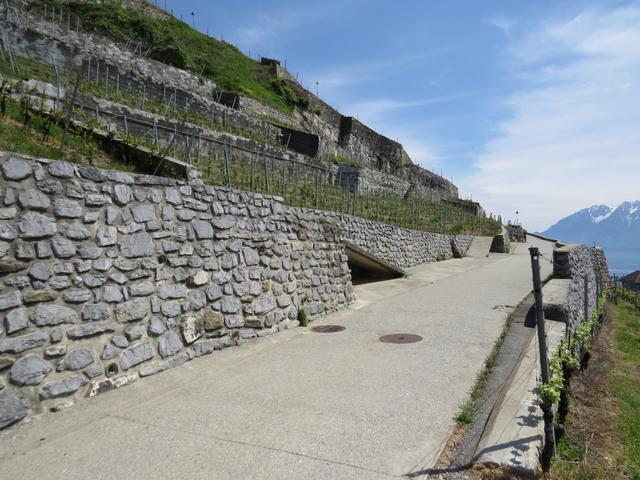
568,247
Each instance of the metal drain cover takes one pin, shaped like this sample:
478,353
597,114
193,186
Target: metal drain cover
328,328
400,338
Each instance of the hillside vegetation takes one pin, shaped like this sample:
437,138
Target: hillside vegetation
601,438
175,43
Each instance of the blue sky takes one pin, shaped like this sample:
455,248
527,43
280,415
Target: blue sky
527,105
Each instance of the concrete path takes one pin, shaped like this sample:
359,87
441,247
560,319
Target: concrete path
298,404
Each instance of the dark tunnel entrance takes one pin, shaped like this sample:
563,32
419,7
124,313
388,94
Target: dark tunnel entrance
366,267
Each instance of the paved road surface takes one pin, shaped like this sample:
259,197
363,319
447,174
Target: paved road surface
298,404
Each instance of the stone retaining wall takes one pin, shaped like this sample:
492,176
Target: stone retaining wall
516,233
105,271
107,276
576,262
422,183
399,246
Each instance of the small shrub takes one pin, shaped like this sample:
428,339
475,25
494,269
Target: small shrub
302,318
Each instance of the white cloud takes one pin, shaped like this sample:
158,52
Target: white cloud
336,77
373,109
500,22
268,27
573,138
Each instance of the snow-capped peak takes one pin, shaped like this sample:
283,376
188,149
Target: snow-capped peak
616,229
599,213
630,211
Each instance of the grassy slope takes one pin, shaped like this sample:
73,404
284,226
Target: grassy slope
40,137
176,43
626,385
602,439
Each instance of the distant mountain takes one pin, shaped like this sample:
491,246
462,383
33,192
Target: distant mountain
617,230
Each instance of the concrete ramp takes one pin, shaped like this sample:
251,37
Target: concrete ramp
555,295
513,435
370,265
479,247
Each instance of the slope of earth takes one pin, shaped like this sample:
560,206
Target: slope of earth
175,43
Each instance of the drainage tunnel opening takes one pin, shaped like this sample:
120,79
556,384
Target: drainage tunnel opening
366,267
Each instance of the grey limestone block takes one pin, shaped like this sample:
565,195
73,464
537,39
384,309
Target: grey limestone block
133,310
61,169
169,344
76,360
137,245
96,311
143,213
62,388
136,355
106,236
49,315
14,406
23,342
29,370
32,199
15,169
9,299
63,248
89,330
16,320
77,231
65,208
34,226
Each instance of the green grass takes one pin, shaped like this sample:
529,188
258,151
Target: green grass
175,43
466,414
29,69
626,384
40,136
577,458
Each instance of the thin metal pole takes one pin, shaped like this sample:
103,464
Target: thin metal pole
549,447
253,168
586,298
266,174
70,111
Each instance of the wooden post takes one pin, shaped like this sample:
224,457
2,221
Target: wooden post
549,447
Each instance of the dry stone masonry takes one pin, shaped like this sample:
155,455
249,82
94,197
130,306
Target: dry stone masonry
107,276
577,262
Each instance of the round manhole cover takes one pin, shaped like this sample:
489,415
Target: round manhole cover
328,328
400,338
